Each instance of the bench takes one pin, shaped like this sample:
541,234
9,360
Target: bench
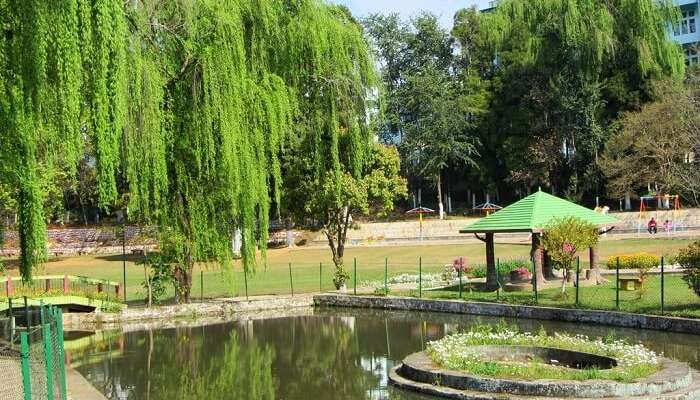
137,252
630,283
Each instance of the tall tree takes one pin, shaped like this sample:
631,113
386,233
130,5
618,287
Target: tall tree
440,134
656,145
561,68
337,199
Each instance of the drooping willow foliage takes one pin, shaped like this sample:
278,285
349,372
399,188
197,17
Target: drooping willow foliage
187,105
591,32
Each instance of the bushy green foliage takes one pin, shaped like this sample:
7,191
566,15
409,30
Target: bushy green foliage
159,274
689,260
504,268
643,261
564,237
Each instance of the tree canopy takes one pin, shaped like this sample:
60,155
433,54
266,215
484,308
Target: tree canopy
187,106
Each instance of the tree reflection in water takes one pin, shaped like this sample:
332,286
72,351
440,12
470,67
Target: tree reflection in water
334,354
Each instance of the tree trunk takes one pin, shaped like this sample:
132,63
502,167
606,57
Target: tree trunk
491,273
439,195
149,290
595,268
183,276
564,278
536,256
628,202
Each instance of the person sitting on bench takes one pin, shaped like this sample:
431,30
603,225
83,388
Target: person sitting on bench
651,226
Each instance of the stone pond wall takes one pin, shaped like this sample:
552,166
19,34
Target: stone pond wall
625,320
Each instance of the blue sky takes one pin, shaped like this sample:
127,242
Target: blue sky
445,9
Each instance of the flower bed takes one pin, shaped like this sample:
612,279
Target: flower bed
457,352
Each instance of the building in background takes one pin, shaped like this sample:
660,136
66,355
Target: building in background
686,31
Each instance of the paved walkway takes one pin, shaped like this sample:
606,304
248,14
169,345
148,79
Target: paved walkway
79,388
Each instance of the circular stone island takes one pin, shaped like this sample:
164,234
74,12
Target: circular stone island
523,371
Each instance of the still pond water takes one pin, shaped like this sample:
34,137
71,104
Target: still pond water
327,354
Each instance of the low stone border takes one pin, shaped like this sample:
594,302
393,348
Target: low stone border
214,309
672,376
612,318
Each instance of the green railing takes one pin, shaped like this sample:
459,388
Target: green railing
32,359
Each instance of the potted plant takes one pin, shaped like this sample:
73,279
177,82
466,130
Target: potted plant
520,274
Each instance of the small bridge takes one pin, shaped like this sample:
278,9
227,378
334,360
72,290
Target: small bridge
70,293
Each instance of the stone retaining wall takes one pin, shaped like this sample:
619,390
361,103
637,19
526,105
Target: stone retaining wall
215,309
626,320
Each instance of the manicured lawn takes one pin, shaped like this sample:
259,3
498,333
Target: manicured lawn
306,277
679,300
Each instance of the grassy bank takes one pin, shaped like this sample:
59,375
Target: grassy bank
312,271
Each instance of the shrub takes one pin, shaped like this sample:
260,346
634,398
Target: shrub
504,268
643,261
689,260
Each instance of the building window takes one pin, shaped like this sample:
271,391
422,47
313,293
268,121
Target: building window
687,24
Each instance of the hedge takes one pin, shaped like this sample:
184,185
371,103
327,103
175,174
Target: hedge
634,261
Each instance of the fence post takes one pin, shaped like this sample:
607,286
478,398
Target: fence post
420,276
27,315
201,285
291,281
534,274
662,285
578,272
617,283
459,273
498,281
9,288
48,359
124,277
245,282
386,276
61,357
11,318
24,356
354,276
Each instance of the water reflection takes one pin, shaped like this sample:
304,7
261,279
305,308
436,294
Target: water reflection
333,354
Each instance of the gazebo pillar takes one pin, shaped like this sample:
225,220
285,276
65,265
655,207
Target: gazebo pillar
491,273
536,254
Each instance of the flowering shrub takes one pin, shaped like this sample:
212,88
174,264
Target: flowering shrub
521,273
457,352
644,261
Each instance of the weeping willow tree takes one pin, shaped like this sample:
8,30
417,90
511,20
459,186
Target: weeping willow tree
589,33
186,106
40,109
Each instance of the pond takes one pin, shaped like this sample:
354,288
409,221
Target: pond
327,354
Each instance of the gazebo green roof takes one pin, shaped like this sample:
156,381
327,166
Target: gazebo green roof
533,213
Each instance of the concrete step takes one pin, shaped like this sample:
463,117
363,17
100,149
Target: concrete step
691,392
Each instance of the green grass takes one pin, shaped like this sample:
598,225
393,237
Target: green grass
679,300
306,277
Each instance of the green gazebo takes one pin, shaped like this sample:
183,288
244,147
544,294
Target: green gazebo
532,214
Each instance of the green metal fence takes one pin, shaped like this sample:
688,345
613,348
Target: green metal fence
32,356
660,291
